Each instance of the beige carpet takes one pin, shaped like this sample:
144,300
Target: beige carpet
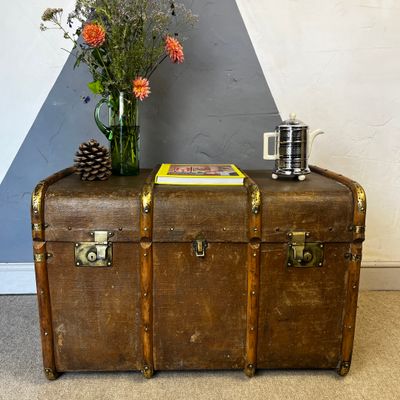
375,371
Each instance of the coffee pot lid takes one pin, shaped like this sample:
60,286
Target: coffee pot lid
292,121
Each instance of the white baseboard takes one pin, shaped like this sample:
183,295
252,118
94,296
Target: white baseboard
19,278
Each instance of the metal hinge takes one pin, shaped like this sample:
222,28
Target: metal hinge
302,253
200,245
97,253
40,257
357,228
353,257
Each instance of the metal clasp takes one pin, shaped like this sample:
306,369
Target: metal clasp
200,245
97,253
302,253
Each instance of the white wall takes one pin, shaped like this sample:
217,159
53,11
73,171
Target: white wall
31,63
337,65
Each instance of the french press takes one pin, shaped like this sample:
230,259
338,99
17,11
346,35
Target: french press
292,148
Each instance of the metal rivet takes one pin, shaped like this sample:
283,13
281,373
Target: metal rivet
290,234
146,210
250,366
320,264
145,254
321,245
110,234
78,263
254,254
145,228
255,229
171,229
145,294
49,255
146,368
91,233
354,286
42,292
253,292
35,211
289,264
46,334
224,229
76,244
120,228
252,328
69,228
307,234
109,264
146,328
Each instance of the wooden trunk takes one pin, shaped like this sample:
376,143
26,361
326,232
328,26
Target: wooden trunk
263,275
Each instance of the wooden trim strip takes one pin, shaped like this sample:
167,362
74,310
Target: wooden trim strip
349,320
146,272
42,282
253,285
37,204
359,200
253,274
43,296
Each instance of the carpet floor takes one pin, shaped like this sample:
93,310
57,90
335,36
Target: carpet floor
374,374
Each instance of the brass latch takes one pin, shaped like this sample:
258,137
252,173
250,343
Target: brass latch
200,245
302,253
97,253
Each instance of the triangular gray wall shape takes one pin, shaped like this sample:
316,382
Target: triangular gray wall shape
212,108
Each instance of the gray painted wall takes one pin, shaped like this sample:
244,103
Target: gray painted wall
212,108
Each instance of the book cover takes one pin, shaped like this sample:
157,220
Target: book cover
199,174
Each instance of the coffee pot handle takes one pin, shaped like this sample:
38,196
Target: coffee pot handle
311,138
268,156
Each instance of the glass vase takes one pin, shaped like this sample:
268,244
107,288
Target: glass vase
122,131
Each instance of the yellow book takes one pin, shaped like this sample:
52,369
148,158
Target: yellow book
199,174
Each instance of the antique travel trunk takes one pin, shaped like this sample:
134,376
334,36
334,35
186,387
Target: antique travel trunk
136,276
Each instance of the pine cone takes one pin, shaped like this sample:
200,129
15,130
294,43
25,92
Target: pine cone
92,161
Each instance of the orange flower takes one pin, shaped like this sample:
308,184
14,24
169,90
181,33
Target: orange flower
94,35
174,49
141,88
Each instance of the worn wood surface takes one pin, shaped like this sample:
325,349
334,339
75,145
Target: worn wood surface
319,205
95,310
73,208
182,212
301,309
199,306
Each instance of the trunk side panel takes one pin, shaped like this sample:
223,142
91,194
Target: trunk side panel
199,306
301,309
95,311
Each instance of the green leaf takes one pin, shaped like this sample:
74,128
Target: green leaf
96,87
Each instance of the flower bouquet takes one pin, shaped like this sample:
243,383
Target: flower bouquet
122,42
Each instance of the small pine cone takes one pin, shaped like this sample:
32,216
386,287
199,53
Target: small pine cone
92,161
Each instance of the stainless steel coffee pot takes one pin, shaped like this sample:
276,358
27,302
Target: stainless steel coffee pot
292,148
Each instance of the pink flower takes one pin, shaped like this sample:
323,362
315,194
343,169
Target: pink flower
174,49
141,88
